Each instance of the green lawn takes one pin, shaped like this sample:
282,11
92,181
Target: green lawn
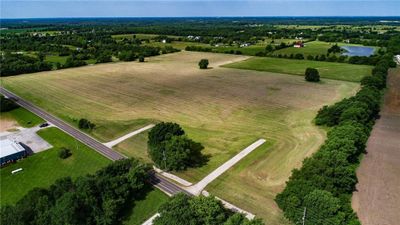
135,146
56,59
23,117
145,208
42,169
330,70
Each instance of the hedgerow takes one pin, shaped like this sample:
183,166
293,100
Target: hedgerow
323,186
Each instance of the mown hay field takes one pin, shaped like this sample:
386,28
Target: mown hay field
224,109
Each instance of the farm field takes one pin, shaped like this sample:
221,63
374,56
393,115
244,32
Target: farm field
225,109
42,169
330,70
311,48
177,44
378,173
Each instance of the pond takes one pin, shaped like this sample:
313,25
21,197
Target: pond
357,50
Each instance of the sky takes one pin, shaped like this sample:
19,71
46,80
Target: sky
195,8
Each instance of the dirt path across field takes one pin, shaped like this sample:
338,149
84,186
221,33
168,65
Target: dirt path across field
377,201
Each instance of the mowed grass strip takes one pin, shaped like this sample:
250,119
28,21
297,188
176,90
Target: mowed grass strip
42,169
145,208
330,70
224,109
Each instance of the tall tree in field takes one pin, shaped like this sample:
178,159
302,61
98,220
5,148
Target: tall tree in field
312,75
203,64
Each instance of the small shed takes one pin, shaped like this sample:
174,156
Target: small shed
298,44
11,151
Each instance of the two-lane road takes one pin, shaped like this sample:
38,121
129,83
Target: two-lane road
155,179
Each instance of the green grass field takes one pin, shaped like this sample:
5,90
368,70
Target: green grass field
330,70
145,208
225,109
42,169
56,59
135,146
22,116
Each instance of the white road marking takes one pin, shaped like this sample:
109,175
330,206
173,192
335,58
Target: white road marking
197,188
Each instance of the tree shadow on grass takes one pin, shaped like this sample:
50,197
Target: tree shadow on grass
200,160
131,203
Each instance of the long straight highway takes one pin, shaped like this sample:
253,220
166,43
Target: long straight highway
155,179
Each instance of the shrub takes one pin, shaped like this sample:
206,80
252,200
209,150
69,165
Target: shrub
64,153
299,56
85,124
312,75
141,58
203,64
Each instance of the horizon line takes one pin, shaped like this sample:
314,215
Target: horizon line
148,17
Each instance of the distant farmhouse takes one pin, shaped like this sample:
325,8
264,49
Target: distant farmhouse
11,151
298,44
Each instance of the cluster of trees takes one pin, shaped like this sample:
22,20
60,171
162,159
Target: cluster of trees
198,48
93,199
7,104
184,210
334,49
86,124
13,64
325,182
171,149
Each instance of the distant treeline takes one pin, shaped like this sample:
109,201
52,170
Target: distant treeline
77,47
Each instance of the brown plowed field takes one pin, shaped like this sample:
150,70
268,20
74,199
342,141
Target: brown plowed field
377,201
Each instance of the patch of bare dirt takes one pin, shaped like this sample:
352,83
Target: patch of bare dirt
377,199
7,124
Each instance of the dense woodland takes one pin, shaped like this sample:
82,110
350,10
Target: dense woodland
93,199
185,210
324,184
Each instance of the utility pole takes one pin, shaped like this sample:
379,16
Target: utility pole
165,159
304,215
